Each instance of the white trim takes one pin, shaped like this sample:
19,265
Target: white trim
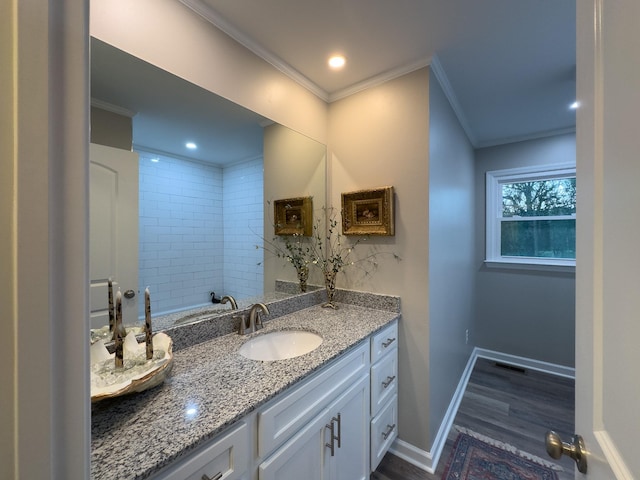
413,455
524,138
428,461
379,79
110,107
212,16
563,266
154,151
613,456
555,170
525,362
493,215
443,80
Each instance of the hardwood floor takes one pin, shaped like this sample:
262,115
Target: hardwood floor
510,405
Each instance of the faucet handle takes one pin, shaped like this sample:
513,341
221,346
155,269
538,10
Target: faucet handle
243,329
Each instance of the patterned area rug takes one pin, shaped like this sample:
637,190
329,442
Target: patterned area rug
482,459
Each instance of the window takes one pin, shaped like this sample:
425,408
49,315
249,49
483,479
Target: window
531,216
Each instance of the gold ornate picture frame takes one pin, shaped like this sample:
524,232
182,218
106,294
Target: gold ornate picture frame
368,212
293,216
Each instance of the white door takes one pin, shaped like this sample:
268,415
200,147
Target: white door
608,246
113,231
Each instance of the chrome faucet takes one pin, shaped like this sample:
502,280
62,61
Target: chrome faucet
230,299
255,322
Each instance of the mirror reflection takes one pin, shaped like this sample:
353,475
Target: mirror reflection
184,219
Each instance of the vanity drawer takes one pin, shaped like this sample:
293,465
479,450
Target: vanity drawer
280,420
384,380
384,341
227,457
384,429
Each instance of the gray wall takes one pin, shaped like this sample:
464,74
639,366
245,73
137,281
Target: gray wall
522,312
451,252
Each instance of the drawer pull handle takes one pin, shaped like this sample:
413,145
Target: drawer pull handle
332,431
388,342
217,476
388,382
390,429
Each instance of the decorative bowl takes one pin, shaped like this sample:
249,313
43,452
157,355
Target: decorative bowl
138,373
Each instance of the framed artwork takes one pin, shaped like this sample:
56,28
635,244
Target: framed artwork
368,212
293,216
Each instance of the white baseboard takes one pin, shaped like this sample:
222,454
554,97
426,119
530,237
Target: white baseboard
524,362
413,455
428,461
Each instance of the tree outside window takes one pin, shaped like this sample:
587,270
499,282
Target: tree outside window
531,215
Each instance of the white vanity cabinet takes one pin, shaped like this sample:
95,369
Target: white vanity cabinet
335,425
226,457
321,429
333,446
384,392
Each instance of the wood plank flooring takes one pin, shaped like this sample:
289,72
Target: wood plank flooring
512,406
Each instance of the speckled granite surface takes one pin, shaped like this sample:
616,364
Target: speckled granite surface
211,387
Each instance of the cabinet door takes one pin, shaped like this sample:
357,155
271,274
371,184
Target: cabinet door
300,457
351,459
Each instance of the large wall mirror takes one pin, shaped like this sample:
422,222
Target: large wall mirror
184,221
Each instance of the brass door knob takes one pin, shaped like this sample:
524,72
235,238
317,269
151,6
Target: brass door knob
576,449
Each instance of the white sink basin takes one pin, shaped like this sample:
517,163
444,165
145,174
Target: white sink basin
280,345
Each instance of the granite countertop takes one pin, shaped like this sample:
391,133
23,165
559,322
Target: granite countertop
210,388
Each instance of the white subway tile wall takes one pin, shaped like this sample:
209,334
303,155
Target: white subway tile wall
243,207
184,229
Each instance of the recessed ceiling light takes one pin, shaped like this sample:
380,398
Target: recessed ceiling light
574,105
337,61
191,145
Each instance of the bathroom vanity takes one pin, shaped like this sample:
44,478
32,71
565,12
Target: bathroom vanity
328,414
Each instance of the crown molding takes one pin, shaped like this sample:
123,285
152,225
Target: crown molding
380,79
109,107
155,151
523,138
443,80
213,17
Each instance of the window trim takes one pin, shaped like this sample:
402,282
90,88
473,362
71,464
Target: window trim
494,179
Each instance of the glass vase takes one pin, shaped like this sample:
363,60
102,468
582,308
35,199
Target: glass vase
303,275
330,287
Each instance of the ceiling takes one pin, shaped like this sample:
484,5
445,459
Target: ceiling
168,111
507,67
